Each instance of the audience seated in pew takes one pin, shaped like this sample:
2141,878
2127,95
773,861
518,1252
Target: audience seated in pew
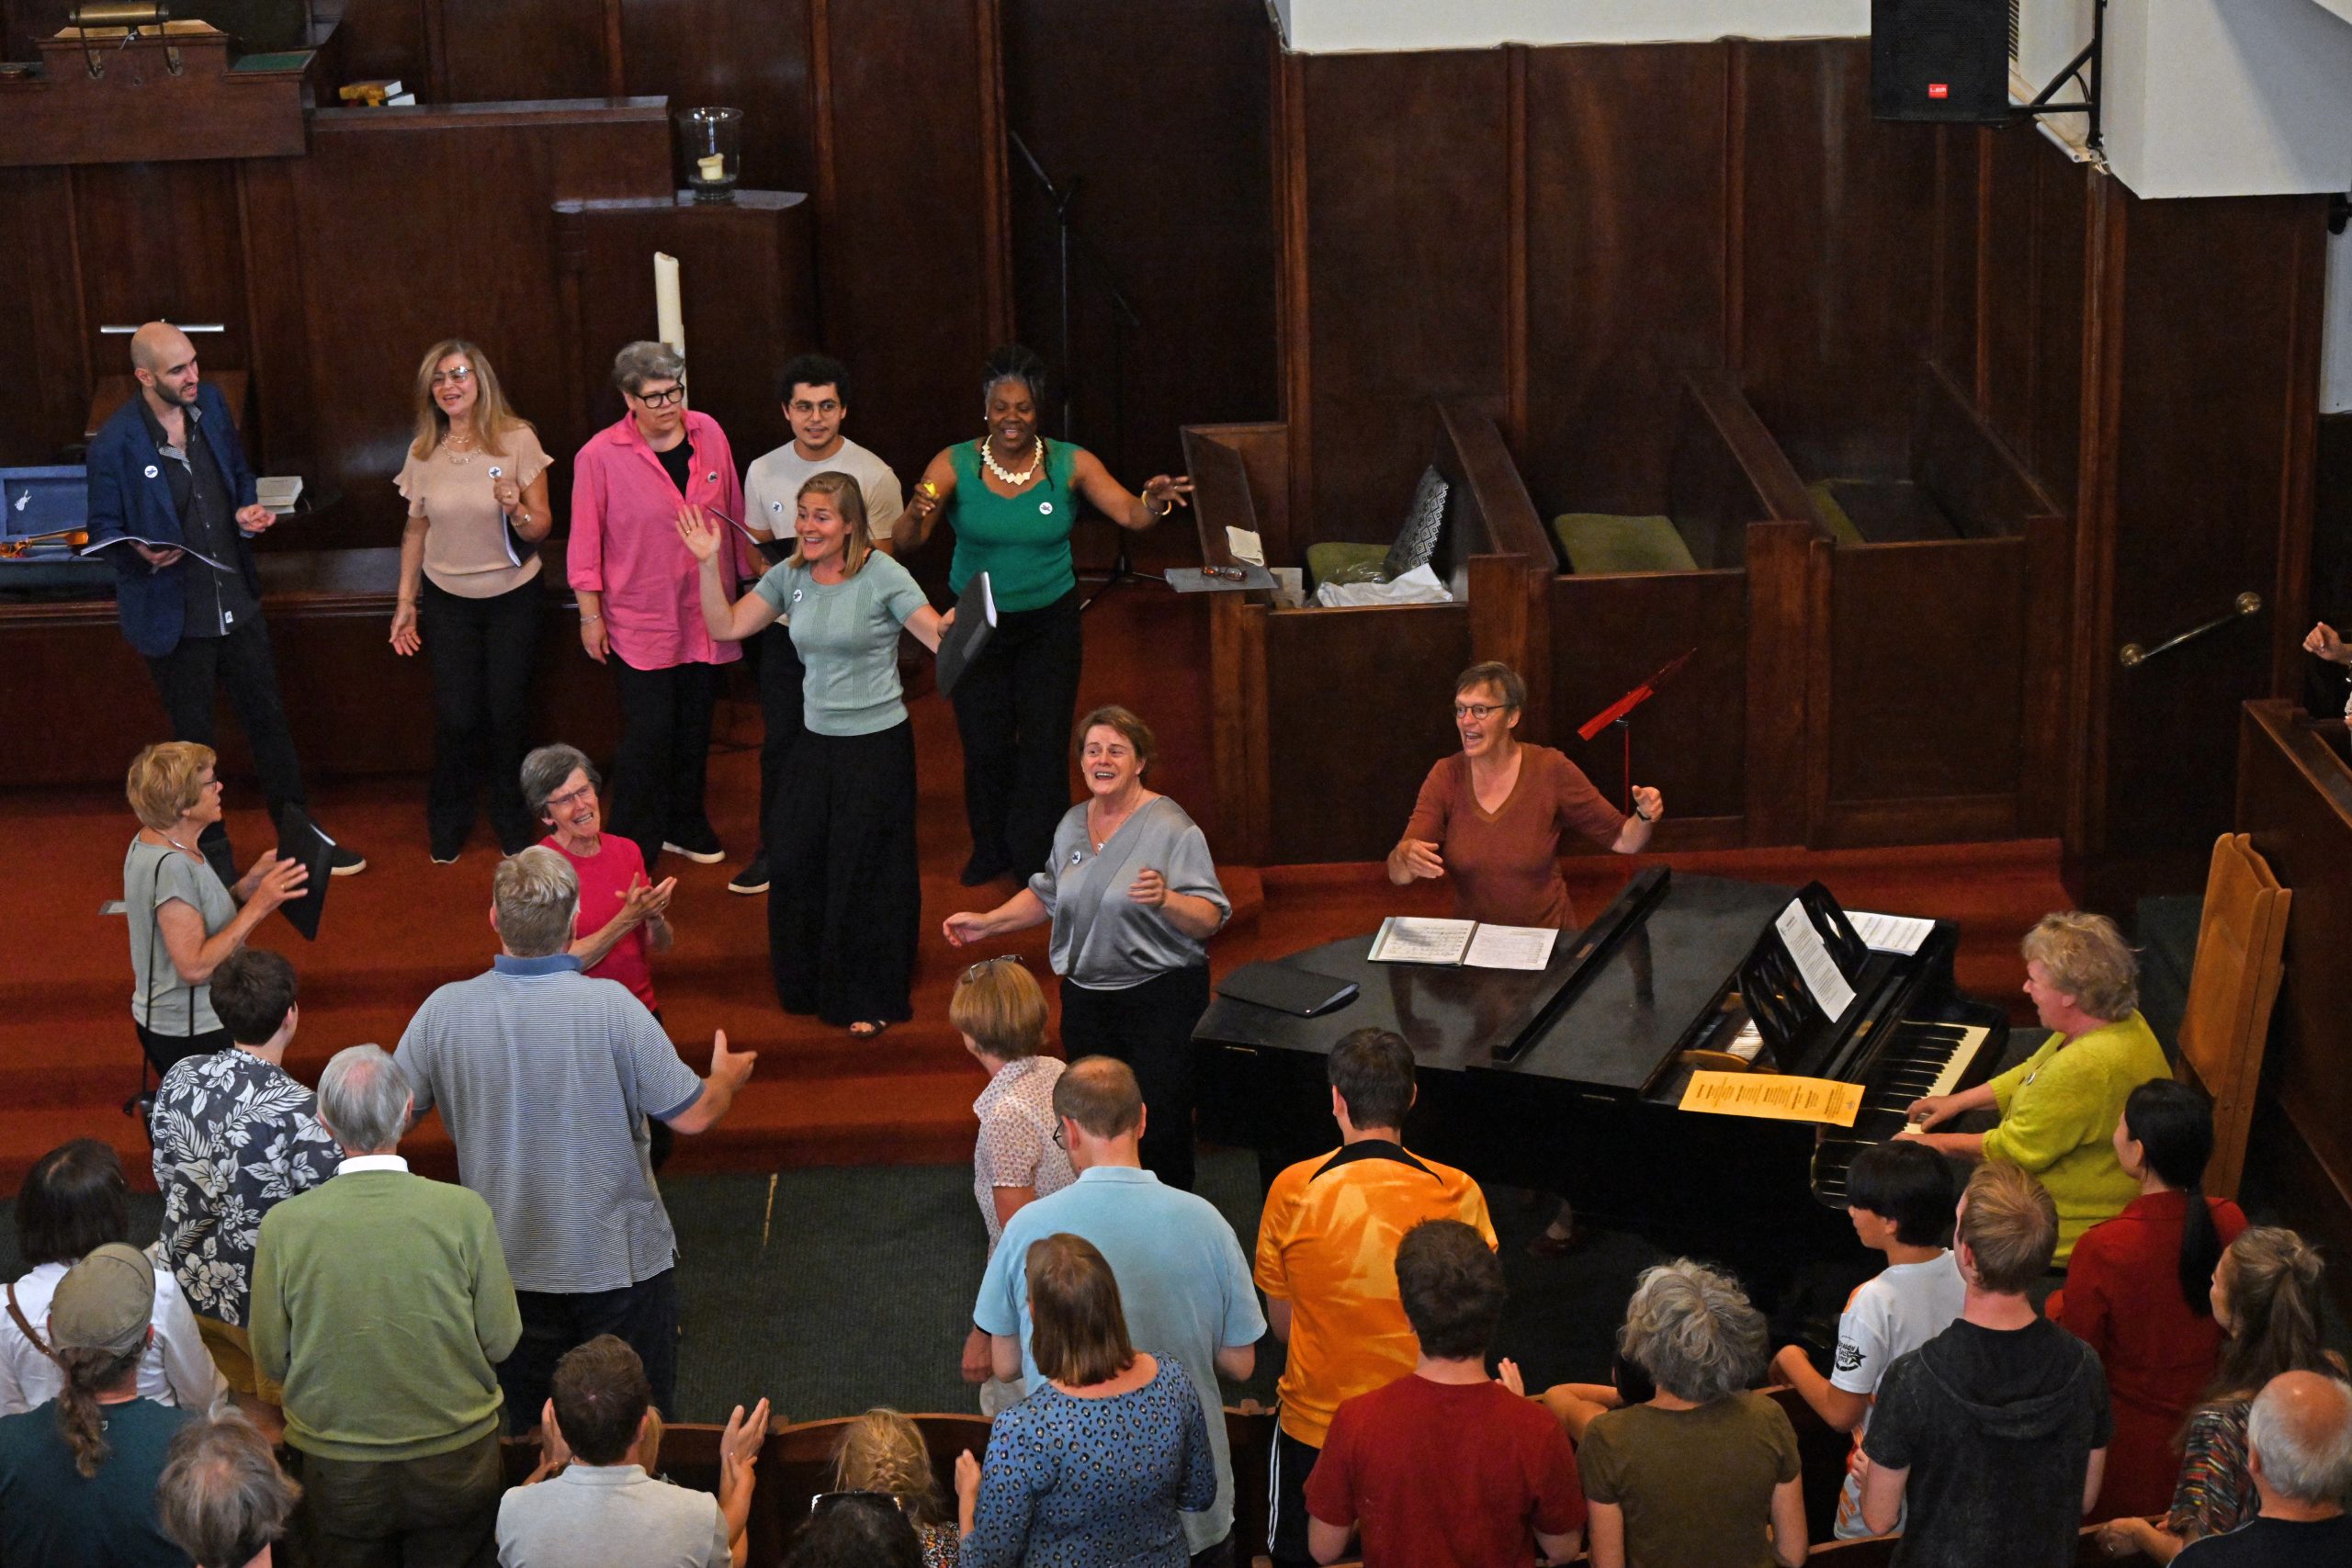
1900,1198
1446,1467
221,1498
883,1454
2267,1298
2299,1452
1991,1437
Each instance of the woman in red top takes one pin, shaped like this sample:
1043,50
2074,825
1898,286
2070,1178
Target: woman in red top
1491,815
2138,1291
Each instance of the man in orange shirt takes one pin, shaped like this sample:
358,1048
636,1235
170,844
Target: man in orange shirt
1327,1261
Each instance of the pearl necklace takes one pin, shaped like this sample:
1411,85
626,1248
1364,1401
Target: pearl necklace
1037,458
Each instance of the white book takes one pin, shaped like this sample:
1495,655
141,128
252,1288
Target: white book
1408,939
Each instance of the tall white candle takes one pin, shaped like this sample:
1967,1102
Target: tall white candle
668,313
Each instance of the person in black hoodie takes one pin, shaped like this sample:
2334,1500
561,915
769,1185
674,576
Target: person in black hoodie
1994,1431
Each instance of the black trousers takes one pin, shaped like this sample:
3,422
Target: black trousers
846,899
664,753
481,651
166,1050
1013,709
780,677
438,1512
1150,1027
644,1316
1286,1503
243,665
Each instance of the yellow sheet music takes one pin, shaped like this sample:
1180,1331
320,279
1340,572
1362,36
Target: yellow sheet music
1774,1098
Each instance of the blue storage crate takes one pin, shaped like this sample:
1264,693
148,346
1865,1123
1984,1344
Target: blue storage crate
44,501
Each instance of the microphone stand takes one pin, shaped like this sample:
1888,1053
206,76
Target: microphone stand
1124,319
1620,715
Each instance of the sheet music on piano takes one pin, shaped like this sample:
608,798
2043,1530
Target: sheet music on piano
1891,933
1819,971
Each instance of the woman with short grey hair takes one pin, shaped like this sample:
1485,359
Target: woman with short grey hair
639,604
1704,1474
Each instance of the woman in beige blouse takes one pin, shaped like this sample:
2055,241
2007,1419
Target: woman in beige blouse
476,489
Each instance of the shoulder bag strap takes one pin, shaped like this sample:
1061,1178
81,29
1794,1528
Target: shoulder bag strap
19,1314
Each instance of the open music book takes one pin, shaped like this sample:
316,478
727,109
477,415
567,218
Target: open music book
1408,939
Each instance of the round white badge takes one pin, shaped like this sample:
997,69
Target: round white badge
496,473
1045,507
776,507
711,478
152,471
795,595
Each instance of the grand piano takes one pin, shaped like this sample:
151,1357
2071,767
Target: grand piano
1569,1079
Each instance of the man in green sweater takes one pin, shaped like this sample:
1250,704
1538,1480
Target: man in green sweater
381,1300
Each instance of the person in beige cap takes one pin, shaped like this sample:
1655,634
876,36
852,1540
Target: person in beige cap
78,1475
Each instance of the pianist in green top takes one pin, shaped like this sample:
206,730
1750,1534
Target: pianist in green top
2058,1107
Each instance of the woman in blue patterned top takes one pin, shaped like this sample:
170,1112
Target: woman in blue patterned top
1093,1469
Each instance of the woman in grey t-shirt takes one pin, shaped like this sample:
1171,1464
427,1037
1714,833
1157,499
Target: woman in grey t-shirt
1133,896
183,921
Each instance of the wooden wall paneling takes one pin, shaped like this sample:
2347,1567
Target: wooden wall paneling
42,327
1178,200
2294,795
1609,633
161,240
2217,318
1966,468
757,58
1784,558
2090,667
1625,273
1728,472
1406,212
282,431
1960,173
2029,370
1237,723
1293,318
913,278
376,293
2323,684
28,22
1343,763
2052,447
508,50
2043,742
1837,234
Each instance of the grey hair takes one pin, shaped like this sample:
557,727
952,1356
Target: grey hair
363,1098
536,894
544,770
1694,1331
646,361
221,1497
2305,1443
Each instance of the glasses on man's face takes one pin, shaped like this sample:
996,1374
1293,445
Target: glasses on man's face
977,970
803,407
456,378
1481,712
1061,1138
662,398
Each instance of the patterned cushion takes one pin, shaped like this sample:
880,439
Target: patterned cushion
1424,520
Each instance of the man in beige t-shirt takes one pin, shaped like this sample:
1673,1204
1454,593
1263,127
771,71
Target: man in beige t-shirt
814,390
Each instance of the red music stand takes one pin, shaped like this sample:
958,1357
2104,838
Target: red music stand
1621,714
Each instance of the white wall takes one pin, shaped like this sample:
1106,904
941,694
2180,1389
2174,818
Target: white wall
2228,98
1318,27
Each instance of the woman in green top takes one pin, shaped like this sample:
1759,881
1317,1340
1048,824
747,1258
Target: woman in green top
846,904
2058,1107
1013,497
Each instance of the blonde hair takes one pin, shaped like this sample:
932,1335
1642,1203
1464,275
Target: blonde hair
850,502
493,416
536,894
2009,1223
1000,1004
166,781
2089,960
883,1450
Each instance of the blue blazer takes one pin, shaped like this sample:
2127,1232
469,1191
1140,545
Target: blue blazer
130,494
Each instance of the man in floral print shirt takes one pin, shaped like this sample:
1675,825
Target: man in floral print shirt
235,1134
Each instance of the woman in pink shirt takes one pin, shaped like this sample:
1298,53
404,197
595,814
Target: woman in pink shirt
639,609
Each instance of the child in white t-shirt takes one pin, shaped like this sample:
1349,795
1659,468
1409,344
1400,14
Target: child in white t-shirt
1900,1196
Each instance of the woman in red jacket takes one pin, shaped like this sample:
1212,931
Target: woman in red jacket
2138,1289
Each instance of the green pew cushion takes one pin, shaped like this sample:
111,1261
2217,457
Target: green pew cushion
1824,497
1600,543
1336,561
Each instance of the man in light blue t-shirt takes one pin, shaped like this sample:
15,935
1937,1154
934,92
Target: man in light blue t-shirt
1184,1283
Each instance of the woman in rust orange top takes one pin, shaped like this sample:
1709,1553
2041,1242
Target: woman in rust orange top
1491,817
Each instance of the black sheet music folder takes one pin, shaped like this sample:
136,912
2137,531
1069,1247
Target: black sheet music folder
299,838
1285,987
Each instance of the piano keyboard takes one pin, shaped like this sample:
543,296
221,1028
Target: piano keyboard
1923,1059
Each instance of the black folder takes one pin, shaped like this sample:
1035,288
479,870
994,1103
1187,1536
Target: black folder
1288,988
969,633
299,838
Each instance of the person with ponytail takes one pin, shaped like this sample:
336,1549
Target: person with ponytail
2266,1296
2139,1290
78,1475
882,1453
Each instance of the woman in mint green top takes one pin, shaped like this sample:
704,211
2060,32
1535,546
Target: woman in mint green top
845,903
2058,1107
1013,497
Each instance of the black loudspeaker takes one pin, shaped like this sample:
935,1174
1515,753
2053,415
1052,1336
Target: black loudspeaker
1940,60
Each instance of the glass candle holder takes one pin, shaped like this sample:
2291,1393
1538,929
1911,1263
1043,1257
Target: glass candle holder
713,141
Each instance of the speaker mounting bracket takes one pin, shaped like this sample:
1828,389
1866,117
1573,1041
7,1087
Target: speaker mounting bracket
2092,53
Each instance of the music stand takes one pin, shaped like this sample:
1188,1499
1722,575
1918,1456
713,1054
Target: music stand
1621,714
